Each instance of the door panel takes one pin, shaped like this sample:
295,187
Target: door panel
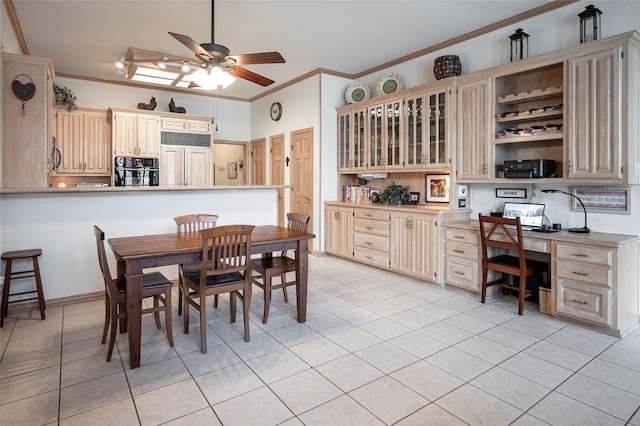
258,160
277,172
302,172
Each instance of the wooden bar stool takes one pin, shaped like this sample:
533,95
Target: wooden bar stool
10,256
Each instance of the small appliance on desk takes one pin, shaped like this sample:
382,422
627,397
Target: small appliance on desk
537,168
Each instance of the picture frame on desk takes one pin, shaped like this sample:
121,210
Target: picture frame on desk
414,198
437,188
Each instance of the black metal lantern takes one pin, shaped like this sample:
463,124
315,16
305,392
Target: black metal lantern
519,45
589,24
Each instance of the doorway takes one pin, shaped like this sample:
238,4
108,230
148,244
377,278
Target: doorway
229,163
302,172
277,172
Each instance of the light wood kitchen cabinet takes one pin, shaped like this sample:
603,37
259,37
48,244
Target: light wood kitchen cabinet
385,137
473,128
427,128
352,134
83,140
339,231
462,258
185,125
135,134
185,166
602,128
371,236
26,138
414,242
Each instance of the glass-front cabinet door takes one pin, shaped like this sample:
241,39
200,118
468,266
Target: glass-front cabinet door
415,152
393,135
352,140
376,146
437,130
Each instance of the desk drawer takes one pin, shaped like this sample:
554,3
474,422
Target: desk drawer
371,214
583,301
462,235
598,256
372,257
375,242
374,227
461,272
467,251
595,274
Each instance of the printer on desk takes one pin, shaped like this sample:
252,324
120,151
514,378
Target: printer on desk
537,168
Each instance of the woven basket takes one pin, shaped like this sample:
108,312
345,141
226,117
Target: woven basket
447,66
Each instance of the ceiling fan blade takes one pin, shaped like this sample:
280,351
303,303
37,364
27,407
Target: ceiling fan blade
191,44
258,58
248,75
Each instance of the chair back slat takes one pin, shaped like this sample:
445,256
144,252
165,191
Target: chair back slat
225,249
298,221
102,259
195,222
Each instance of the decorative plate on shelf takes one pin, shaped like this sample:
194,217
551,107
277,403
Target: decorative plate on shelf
389,83
357,92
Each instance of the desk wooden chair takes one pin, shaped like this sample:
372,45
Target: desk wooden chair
225,269
192,223
506,234
269,267
154,285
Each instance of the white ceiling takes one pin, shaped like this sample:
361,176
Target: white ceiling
85,38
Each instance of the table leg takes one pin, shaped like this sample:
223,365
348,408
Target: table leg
122,322
134,312
302,271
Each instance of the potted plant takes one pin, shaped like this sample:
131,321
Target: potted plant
64,96
395,194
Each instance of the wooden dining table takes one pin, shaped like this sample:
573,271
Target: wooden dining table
136,253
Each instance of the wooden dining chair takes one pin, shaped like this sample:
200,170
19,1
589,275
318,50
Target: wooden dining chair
264,269
154,285
499,234
192,223
224,269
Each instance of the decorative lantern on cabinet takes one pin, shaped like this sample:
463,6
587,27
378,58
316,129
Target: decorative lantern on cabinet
589,24
519,45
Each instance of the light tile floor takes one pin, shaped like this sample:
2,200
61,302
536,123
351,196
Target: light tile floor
377,348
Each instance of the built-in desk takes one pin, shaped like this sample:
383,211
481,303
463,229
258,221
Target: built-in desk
595,277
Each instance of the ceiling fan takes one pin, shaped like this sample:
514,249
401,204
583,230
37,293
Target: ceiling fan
212,55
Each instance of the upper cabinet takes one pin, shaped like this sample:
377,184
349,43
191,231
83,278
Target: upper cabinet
602,113
473,128
82,141
427,128
351,137
135,134
26,143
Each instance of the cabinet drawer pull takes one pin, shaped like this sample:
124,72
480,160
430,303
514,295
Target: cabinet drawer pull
582,274
458,273
460,237
368,227
579,255
459,251
578,301
368,243
368,215
369,257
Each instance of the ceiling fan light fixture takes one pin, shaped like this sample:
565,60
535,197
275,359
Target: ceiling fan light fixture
213,78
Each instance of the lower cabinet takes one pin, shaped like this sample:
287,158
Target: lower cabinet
414,245
339,231
462,258
371,237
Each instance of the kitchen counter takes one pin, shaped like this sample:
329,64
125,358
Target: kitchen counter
134,189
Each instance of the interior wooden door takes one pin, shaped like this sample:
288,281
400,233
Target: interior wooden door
277,172
302,172
258,162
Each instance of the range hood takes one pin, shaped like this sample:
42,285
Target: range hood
369,176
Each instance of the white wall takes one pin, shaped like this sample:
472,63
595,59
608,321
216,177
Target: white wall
224,154
62,226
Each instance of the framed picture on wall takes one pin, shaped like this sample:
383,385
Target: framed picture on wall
437,189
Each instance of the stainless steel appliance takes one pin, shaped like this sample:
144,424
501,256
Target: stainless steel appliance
134,171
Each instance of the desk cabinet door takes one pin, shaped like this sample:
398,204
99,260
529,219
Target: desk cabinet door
583,301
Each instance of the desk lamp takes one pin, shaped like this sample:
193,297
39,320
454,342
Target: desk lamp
583,230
